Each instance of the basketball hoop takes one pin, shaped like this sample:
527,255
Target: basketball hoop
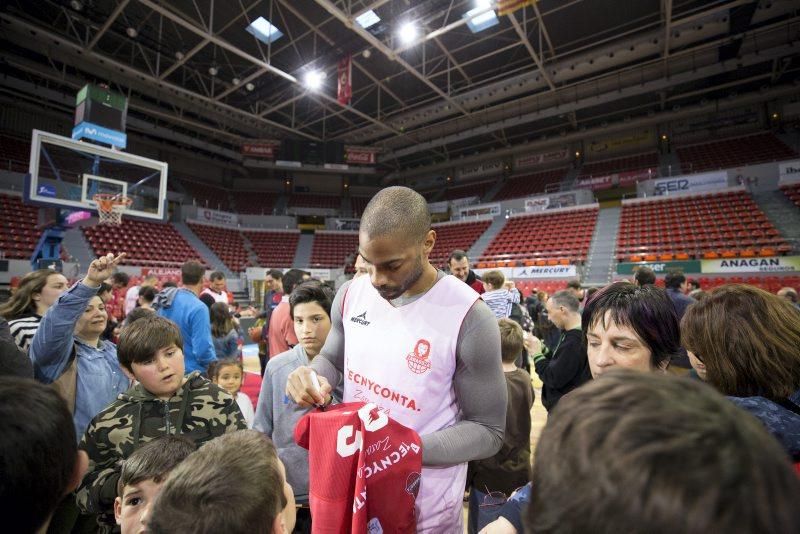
110,207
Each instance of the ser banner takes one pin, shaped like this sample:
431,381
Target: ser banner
708,181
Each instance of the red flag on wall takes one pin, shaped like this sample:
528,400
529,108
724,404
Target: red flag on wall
345,89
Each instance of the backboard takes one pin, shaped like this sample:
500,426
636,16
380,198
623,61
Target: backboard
67,173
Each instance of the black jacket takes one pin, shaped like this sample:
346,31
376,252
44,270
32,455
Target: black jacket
565,369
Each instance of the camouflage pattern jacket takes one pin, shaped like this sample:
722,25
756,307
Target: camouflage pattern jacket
199,410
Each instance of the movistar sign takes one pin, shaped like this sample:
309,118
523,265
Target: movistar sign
88,130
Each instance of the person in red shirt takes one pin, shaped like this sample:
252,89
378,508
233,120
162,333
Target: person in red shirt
281,326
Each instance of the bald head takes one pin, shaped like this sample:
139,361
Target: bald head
396,211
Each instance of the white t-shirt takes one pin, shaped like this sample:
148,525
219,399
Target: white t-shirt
130,298
246,405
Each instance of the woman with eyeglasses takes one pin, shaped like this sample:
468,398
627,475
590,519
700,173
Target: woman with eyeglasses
747,343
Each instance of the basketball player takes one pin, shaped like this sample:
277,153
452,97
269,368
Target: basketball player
422,346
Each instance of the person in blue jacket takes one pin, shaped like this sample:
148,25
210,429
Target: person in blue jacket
70,332
183,307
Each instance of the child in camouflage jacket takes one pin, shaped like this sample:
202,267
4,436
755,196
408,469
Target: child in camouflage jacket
164,401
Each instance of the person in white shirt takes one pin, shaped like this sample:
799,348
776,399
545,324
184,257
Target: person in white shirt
132,295
216,288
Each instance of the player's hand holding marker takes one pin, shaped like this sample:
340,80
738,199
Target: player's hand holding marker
307,389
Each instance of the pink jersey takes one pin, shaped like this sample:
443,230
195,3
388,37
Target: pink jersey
403,359
364,470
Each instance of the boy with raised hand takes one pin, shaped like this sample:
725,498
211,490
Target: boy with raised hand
163,402
142,476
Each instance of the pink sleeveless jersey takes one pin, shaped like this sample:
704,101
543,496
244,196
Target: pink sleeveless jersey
403,360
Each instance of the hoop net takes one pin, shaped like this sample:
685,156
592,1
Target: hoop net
110,207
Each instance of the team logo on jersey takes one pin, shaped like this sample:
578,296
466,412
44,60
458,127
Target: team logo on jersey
412,484
360,319
419,360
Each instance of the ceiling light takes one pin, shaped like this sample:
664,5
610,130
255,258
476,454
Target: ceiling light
250,86
366,53
408,33
264,31
236,81
132,33
481,17
76,5
213,71
313,79
367,19
179,55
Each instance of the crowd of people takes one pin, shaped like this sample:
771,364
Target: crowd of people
122,410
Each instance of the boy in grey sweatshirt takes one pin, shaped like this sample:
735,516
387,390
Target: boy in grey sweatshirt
277,414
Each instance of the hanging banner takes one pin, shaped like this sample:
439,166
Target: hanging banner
466,201
360,155
217,217
551,271
645,138
537,159
345,86
595,183
633,177
774,264
537,203
439,207
789,171
347,224
479,210
661,267
481,169
709,181
267,149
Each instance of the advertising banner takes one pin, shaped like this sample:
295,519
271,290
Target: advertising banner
161,272
466,201
552,271
638,139
217,217
481,169
660,267
479,210
537,203
88,130
789,172
438,207
347,224
267,149
354,155
536,159
708,181
595,183
774,264
632,177
320,274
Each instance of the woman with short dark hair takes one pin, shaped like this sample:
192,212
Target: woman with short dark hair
749,343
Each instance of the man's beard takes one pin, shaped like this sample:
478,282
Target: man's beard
395,292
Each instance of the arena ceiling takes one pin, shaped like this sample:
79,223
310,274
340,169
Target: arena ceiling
549,69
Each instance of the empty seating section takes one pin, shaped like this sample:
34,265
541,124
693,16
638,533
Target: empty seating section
254,202
15,153
527,287
330,249
208,196
20,235
226,243
472,190
146,243
628,163
450,237
734,152
274,249
557,238
305,200
793,192
727,224
530,184
358,204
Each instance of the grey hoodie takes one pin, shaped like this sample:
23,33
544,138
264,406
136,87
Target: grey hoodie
277,415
